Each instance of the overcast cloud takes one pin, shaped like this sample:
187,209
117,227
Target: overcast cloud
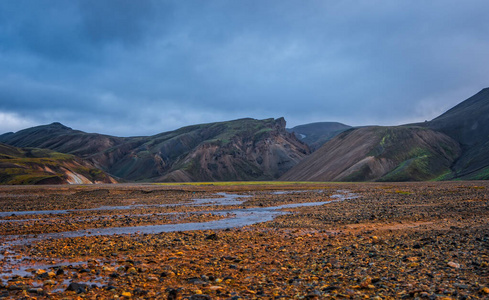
142,67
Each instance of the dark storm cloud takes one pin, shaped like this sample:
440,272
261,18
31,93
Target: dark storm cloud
142,67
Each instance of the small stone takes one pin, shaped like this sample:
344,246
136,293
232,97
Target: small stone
454,265
39,272
195,280
79,288
366,282
485,290
108,269
167,274
49,282
126,294
212,237
172,294
200,297
35,290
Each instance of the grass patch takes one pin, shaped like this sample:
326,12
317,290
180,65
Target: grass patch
402,192
445,176
31,178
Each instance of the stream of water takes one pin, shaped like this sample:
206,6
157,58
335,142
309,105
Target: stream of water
238,218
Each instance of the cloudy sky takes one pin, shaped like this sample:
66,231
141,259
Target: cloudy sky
142,67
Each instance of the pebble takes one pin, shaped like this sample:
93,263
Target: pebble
126,294
49,282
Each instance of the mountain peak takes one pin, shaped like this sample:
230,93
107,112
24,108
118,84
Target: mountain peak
59,125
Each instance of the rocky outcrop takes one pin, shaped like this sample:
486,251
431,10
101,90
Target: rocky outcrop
262,153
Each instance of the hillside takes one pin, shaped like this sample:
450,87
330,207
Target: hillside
245,149
41,166
379,154
60,138
468,123
316,134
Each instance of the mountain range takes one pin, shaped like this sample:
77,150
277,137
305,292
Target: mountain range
244,149
451,146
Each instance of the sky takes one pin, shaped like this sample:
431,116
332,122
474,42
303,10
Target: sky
143,67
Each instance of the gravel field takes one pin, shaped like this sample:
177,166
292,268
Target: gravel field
426,240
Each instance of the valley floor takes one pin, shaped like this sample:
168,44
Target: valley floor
425,240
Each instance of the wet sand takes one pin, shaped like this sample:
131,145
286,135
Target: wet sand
358,241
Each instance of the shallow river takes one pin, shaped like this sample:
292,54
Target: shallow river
11,266
240,217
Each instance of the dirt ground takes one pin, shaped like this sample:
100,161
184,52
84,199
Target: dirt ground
381,241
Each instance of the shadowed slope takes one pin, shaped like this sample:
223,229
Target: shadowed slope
316,134
468,123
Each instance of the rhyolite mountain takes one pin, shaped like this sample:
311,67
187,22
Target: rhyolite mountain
316,134
244,149
377,153
452,146
42,166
